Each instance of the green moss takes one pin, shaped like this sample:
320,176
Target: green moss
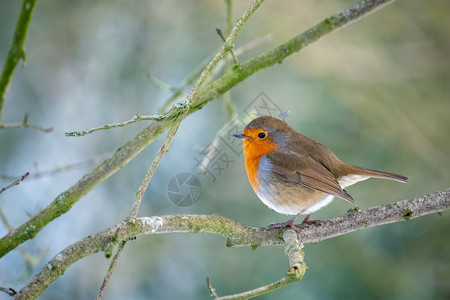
328,24
407,213
254,246
356,209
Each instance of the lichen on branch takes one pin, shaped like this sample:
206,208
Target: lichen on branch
236,234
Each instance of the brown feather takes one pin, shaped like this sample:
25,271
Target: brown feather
355,170
306,172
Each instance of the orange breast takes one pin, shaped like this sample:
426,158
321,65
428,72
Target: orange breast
254,149
251,165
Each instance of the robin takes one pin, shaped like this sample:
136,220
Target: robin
295,175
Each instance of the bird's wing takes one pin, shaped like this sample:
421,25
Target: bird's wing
306,172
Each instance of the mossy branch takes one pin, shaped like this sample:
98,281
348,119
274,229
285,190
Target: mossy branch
236,234
297,269
16,51
199,98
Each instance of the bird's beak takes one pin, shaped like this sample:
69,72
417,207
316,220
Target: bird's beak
240,136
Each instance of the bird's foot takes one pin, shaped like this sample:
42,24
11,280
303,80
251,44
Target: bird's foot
308,221
287,224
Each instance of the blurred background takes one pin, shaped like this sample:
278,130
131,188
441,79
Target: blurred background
375,92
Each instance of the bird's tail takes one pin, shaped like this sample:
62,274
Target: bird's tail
378,174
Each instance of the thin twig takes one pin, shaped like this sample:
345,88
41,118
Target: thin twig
229,16
138,199
163,150
259,291
297,269
9,291
58,169
16,182
189,80
136,118
159,83
212,290
139,195
25,124
229,106
210,152
195,73
16,52
219,32
254,43
228,44
22,125
143,187
277,55
111,268
5,221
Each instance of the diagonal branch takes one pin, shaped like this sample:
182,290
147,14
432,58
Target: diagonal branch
16,51
239,73
228,44
137,202
16,182
236,233
173,129
124,154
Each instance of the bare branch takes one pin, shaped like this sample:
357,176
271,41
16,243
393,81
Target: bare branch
16,52
50,172
143,187
16,182
24,124
230,49
159,84
228,44
232,77
135,118
111,268
9,291
183,111
212,290
236,234
297,269
195,73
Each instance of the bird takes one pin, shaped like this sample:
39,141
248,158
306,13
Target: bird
294,174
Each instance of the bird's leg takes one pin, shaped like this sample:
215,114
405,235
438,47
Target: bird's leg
308,221
289,223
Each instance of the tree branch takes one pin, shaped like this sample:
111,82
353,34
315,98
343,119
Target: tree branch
184,108
236,233
124,154
297,269
134,119
240,72
16,182
24,124
16,51
137,201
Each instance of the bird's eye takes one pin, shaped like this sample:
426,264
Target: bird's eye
262,135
